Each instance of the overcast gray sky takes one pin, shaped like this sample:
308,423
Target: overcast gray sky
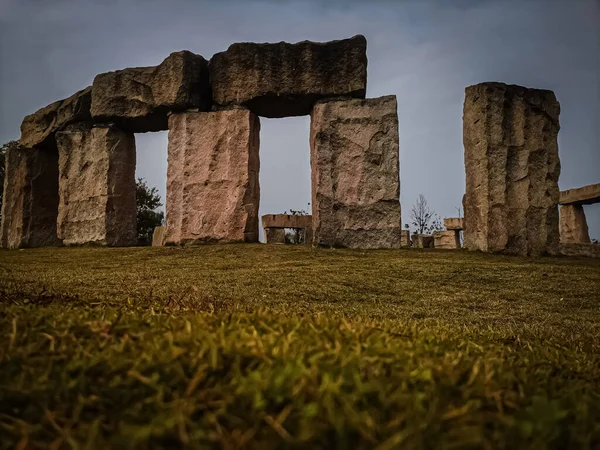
424,52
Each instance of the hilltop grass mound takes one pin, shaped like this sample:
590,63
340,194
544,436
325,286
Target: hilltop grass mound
254,346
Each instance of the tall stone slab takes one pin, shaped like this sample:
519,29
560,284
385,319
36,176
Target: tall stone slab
573,225
512,169
212,179
355,173
279,80
97,186
30,199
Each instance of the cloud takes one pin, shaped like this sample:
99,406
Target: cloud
425,52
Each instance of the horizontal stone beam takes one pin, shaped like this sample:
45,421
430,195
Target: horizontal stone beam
279,80
139,99
586,195
39,128
453,223
286,221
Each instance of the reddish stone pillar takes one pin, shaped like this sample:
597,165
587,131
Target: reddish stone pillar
212,180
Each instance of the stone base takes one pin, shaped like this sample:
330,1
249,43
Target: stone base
573,225
158,237
355,179
586,250
30,201
275,235
212,180
423,241
97,186
405,238
447,239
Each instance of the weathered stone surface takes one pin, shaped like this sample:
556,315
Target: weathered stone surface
447,239
139,99
279,80
423,241
586,250
275,235
158,237
308,235
38,129
573,225
512,169
286,221
212,179
97,186
355,173
405,240
586,195
30,200
453,223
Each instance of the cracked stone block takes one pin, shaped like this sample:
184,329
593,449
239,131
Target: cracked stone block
140,99
38,129
355,173
280,80
97,186
512,169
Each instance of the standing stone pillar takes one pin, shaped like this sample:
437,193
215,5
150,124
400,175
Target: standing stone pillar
30,201
212,179
97,186
573,225
355,173
512,168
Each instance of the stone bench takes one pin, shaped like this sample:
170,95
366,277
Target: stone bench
573,223
275,225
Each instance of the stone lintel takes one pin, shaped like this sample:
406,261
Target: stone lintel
453,223
286,221
586,195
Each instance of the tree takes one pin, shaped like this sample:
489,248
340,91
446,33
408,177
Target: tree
147,200
424,219
3,150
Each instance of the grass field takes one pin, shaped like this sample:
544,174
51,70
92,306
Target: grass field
255,346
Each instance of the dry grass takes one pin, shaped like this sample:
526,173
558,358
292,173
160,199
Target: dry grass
271,346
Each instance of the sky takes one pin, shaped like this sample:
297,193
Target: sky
424,52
